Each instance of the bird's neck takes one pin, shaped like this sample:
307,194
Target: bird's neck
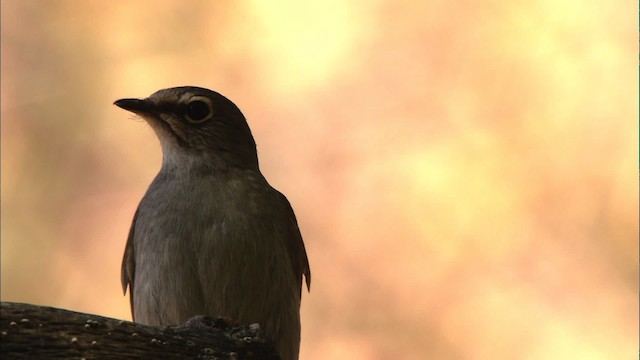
180,163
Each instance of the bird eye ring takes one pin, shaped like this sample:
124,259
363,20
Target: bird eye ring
198,110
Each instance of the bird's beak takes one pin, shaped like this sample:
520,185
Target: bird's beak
138,106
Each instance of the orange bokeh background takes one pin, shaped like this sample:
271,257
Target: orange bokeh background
465,174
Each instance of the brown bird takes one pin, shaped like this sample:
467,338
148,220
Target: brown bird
211,236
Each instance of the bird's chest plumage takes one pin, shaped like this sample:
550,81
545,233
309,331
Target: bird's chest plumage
192,211
201,244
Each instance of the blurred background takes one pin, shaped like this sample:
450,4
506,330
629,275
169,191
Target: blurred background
465,174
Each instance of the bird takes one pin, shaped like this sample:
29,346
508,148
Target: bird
211,236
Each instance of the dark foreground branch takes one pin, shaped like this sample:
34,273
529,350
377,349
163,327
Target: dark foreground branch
39,332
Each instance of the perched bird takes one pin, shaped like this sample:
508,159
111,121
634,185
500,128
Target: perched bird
211,236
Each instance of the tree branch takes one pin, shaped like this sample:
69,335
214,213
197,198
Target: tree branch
32,332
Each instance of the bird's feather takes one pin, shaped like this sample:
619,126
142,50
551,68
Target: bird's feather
295,246
129,264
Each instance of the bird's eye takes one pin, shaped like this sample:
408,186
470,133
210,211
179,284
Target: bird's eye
198,111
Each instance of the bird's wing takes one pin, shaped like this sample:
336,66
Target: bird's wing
129,264
295,246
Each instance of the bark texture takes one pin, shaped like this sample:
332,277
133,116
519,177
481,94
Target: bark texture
40,332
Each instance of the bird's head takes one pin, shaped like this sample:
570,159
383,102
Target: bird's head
197,125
